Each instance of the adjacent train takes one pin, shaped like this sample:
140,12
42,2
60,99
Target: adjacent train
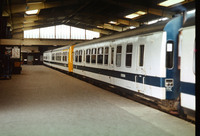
143,62
187,54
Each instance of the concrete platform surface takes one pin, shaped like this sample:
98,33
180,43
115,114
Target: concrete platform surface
45,102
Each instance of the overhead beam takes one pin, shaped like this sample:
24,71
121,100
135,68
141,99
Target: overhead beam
101,31
128,23
18,8
112,27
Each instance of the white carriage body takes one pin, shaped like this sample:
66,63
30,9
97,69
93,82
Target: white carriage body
187,76
154,63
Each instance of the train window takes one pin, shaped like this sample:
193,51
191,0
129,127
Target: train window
169,54
64,56
129,48
94,55
76,56
53,56
83,55
80,55
88,52
58,56
112,55
118,55
106,55
100,56
141,61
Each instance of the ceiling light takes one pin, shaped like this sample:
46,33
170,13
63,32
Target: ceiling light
113,22
152,22
133,15
168,3
191,11
141,12
136,14
163,19
31,12
132,27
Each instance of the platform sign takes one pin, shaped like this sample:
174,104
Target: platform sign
16,52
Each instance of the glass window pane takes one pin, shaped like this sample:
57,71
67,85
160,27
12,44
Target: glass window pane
91,34
80,55
77,33
119,49
62,32
93,56
47,32
76,56
112,55
106,55
106,50
118,56
169,54
141,55
129,48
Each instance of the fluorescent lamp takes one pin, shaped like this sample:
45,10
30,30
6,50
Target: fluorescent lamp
136,14
31,12
113,22
163,19
168,3
141,12
132,27
152,22
191,11
133,15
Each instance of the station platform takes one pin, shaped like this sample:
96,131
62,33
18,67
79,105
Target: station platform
45,102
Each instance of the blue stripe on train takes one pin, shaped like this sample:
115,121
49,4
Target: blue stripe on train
188,88
149,80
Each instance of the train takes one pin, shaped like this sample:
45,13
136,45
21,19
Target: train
187,61
148,63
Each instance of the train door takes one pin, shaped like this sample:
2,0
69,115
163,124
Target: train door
140,78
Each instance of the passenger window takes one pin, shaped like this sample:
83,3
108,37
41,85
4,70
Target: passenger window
106,55
100,56
93,55
64,56
53,57
88,52
56,56
141,61
118,55
112,55
76,56
83,55
129,49
80,55
169,54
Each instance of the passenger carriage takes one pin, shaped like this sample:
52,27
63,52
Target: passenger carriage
143,61
187,65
